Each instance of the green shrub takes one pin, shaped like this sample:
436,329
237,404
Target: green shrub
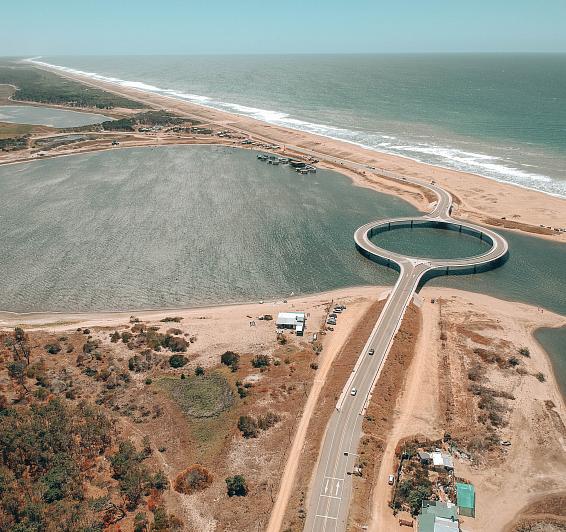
236,486
53,349
248,426
175,319
268,420
524,351
261,361
231,359
178,361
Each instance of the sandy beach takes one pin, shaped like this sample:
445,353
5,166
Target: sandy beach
478,198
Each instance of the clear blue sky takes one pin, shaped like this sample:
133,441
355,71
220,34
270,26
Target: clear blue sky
64,27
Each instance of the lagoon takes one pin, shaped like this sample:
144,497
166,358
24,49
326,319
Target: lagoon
48,116
198,225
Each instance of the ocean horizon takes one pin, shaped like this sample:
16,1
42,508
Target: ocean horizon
502,116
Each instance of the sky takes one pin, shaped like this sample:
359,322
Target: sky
101,27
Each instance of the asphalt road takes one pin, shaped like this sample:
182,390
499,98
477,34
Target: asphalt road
329,498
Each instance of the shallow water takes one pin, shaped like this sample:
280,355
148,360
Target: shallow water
554,343
46,116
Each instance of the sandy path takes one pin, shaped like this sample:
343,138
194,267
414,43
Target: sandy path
480,198
332,346
536,458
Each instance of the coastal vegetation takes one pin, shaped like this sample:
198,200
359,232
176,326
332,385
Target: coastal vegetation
36,85
150,118
65,464
200,396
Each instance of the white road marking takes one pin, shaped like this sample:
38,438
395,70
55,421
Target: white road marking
326,517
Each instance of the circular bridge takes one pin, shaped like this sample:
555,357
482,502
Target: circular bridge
423,267
329,500
430,267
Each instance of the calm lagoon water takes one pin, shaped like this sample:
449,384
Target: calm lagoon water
417,242
194,225
553,342
184,226
46,116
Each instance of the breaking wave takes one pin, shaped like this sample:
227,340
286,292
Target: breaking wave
491,166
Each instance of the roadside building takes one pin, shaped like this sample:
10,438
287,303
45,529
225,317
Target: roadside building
442,461
466,499
437,516
291,320
424,457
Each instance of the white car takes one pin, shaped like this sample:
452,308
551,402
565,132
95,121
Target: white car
391,480
354,391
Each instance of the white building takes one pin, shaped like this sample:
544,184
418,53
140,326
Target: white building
291,320
442,461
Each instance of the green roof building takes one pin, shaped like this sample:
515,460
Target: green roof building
466,499
437,516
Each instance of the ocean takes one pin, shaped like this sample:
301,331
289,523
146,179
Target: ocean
500,116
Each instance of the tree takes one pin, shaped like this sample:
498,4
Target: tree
194,478
199,371
59,480
237,486
261,361
178,361
248,426
20,347
231,359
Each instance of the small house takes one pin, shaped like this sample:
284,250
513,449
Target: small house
291,320
437,516
442,461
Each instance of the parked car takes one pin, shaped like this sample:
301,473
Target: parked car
391,480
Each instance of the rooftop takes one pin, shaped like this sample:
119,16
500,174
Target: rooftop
290,318
437,516
465,495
